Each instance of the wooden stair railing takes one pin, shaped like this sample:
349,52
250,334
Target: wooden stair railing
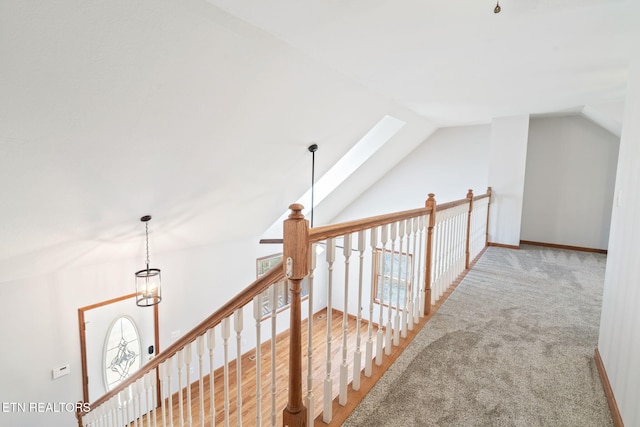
413,257
124,404
429,247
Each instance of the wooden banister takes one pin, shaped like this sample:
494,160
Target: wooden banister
489,191
263,282
431,205
318,234
449,205
467,252
296,267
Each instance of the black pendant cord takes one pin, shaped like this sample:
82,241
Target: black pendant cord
146,220
313,148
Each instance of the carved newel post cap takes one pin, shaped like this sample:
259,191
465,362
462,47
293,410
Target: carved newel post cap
296,211
470,193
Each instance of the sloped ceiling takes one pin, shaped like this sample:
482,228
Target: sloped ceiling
199,112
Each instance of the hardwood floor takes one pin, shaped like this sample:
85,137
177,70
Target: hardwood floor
248,368
249,400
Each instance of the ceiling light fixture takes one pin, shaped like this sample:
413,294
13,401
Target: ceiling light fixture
497,9
147,280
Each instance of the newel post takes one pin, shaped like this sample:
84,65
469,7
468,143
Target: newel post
489,191
296,265
430,203
467,252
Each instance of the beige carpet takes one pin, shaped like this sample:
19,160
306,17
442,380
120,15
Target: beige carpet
512,346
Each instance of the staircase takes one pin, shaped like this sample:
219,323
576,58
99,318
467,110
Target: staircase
370,285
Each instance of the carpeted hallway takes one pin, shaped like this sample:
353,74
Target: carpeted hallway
512,346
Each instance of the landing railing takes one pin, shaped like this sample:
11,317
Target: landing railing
380,275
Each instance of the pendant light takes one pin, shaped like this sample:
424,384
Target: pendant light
497,9
147,280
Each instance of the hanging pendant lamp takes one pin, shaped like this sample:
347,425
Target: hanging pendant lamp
497,9
147,280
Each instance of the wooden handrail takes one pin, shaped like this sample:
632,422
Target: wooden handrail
449,205
318,234
274,275
480,197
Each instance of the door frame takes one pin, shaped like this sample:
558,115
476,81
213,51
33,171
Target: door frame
83,341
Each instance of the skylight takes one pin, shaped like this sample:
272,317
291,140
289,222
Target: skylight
371,142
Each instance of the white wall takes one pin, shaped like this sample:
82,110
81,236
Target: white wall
619,341
569,180
448,163
507,164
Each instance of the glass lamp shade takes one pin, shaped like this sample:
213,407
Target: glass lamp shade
148,287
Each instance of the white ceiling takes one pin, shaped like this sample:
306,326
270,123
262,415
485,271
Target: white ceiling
456,61
199,112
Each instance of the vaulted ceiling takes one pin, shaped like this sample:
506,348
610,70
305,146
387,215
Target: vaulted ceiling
200,112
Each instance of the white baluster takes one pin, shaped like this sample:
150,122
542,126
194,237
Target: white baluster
407,282
357,354
154,396
461,241
127,404
107,420
274,308
369,347
327,414
452,251
98,419
147,396
440,255
389,332
422,268
237,326
139,388
113,411
226,332
211,344
446,254
459,249
413,295
180,355
163,405
344,368
187,361
257,316
451,246
200,353
396,320
169,373
310,397
380,273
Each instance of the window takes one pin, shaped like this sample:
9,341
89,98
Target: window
282,289
400,283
